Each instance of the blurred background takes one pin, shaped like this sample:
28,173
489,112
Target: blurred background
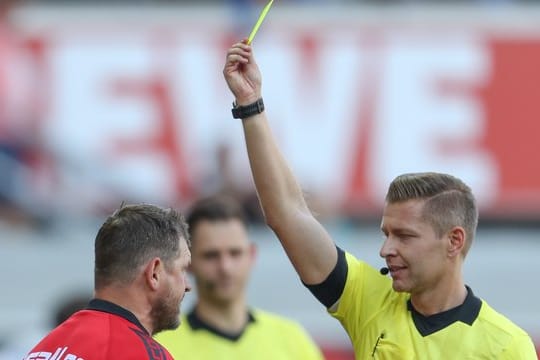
110,101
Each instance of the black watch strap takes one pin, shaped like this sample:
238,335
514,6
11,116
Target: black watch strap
243,112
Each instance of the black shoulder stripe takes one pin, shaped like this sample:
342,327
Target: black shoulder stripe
330,290
153,348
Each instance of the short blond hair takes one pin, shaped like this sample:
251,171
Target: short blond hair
449,201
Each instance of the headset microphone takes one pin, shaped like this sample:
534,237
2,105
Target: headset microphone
384,270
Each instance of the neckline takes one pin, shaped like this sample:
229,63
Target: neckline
196,323
467,313
112,308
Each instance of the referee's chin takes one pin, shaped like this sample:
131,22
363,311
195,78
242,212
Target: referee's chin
400,288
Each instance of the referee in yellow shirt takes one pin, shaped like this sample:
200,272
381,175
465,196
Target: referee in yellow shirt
424,311
221,325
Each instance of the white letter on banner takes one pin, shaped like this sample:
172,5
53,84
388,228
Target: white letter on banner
318,95
90,116
416,118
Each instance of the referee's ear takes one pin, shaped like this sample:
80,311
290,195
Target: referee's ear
456,241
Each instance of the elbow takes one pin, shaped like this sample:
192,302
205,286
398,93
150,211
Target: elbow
271,219
277,225
279,218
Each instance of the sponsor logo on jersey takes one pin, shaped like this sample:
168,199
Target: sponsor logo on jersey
60,354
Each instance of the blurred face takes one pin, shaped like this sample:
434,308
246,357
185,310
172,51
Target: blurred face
166,310
414,253
222,260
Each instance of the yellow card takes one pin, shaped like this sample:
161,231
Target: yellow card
259,21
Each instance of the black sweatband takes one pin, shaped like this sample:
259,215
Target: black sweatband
330,290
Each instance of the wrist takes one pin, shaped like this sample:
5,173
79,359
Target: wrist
247,100
248,110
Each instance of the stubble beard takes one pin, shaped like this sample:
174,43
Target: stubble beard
166,314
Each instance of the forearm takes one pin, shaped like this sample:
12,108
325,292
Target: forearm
309,247
278,190
307,244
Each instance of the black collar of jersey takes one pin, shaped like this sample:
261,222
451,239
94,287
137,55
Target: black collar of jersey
111,308
197,323
466,313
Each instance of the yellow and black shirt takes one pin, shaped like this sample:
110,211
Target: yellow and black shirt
383,324
265,337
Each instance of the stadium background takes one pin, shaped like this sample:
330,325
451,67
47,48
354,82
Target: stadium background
107,103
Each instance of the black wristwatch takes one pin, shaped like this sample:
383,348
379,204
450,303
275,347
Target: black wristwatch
243,112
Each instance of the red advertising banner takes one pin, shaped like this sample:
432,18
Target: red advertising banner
508,100
139,110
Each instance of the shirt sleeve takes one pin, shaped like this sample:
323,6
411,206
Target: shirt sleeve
304,346
329,291
521,348
365,293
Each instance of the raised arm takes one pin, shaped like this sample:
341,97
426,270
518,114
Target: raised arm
307,244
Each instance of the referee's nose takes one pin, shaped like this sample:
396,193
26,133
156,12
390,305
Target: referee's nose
388,248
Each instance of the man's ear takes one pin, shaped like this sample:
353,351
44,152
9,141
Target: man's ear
153,271
456,241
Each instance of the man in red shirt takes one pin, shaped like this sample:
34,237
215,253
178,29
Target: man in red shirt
141,260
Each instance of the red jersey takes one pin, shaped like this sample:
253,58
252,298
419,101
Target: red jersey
100,332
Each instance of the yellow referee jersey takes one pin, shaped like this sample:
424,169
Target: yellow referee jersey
382,324
265,337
